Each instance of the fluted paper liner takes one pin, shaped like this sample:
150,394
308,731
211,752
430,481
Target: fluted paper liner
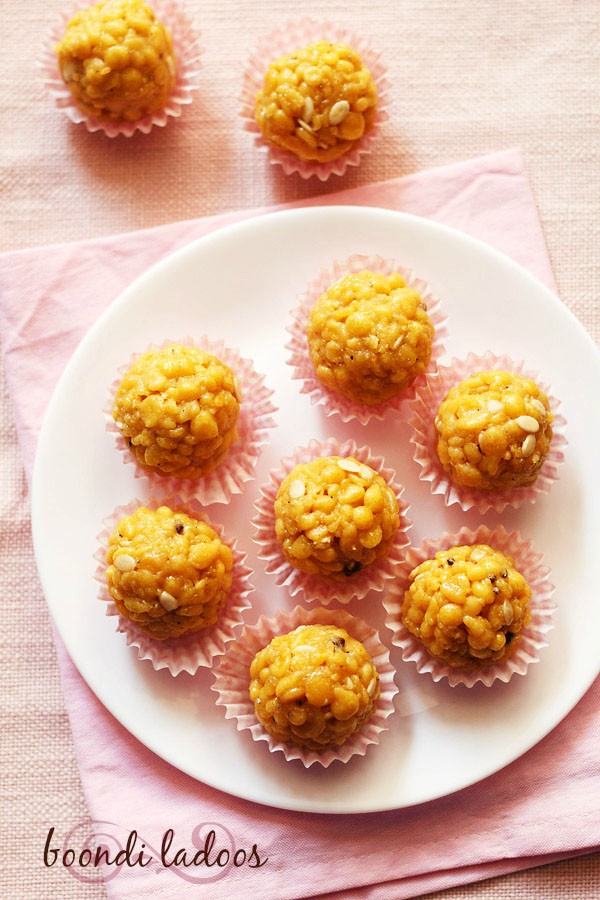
232,680
187,52
331,402
198,649
528,562
294,36
316,588
424,408
237,466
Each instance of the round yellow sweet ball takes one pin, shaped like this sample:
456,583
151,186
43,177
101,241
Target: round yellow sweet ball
168,573
468,606
493,431
117,60
334,516
317,102
369,337
177,409
313,687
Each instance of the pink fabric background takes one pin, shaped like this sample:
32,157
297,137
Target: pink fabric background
466,81
49,298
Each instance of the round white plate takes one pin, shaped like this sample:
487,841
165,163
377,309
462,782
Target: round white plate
239,284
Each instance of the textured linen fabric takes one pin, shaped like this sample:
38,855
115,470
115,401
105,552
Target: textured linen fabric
467,78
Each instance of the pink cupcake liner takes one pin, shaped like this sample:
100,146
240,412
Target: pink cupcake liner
293,36
424,407
192,651
533,638
331,402
313,588
232,678
186,46
237,467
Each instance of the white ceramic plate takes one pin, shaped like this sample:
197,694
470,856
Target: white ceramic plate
239,284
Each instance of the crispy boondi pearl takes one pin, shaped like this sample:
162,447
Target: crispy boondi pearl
468,606
313,687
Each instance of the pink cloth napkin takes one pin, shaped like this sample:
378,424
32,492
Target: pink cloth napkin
540,808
